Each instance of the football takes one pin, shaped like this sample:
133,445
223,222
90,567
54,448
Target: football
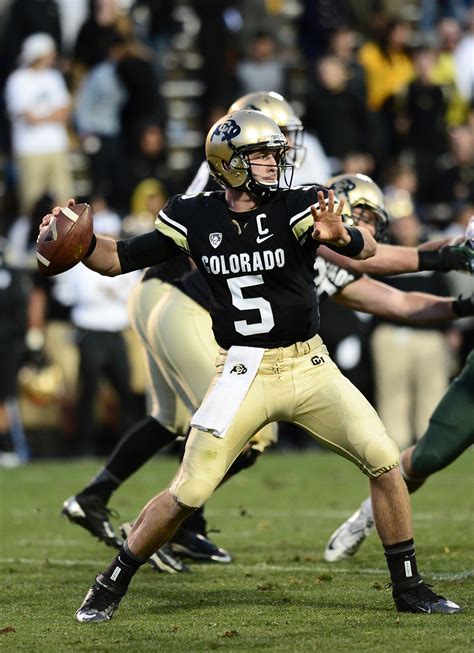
65,241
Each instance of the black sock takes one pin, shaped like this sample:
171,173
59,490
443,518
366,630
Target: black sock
401,561
124,567
196,522
102,485
136,447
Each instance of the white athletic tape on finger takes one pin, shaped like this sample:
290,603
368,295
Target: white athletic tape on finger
69,213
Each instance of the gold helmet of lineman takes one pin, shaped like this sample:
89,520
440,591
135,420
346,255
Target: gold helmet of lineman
278,109
360,191
233,138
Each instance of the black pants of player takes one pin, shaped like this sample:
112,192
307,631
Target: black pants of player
103,354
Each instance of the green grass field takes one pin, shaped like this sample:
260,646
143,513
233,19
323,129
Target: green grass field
278,595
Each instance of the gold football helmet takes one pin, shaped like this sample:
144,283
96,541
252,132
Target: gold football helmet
233,138
360,191
278,109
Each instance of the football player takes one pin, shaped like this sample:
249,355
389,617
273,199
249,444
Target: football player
272,365
449,434
181,353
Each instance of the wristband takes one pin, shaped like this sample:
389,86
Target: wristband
92,246
356,244
463,307
428,260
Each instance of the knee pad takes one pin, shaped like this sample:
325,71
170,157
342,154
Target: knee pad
192,493
381,456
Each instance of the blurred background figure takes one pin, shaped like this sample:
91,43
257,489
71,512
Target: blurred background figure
38,105
411,364
99,102
261,67
13,302
336,113
99,315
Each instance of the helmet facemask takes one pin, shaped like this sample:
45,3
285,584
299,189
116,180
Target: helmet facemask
296,153
243,161
372,215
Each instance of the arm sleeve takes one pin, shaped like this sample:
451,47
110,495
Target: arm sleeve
142,251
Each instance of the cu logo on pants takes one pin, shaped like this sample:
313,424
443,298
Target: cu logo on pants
317,360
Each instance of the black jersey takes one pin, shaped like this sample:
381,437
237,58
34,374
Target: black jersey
329,279
258,264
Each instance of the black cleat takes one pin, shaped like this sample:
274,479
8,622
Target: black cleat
197,546
101,601
90,512
420,598
162,560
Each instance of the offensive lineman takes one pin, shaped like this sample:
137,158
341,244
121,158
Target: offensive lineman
257,316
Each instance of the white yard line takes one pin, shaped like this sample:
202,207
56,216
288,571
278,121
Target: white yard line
258,567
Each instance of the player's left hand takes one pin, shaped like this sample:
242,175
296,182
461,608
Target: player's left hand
328,225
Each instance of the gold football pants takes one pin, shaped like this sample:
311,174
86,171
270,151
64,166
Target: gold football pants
181,354
298,384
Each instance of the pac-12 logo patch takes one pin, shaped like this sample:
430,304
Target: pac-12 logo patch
215,239
239,369
228,130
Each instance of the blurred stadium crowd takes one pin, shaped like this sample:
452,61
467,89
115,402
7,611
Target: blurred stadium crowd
108,101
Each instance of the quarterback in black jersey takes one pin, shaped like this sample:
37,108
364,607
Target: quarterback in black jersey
268,380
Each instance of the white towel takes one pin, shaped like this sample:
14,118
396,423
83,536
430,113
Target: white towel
222,403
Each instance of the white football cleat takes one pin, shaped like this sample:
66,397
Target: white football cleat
346,540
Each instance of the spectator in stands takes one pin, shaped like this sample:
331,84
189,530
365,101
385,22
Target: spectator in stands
261,67
448,31
342,44
105,20
336,113
456,176
38,105
13,299
99,103
411,364
389,70
99,314
149,159
464,61
423,108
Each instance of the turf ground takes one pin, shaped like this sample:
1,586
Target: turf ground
278,595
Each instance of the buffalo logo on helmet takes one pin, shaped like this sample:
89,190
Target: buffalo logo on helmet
215,239
343,186
227,130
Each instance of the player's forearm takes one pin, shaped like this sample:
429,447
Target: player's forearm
389,259
422,308
381,300
104,258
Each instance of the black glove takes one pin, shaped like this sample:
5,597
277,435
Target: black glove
463,307
451,257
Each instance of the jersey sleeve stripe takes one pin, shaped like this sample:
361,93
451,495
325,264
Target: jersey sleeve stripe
172,231
301,222
179,227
